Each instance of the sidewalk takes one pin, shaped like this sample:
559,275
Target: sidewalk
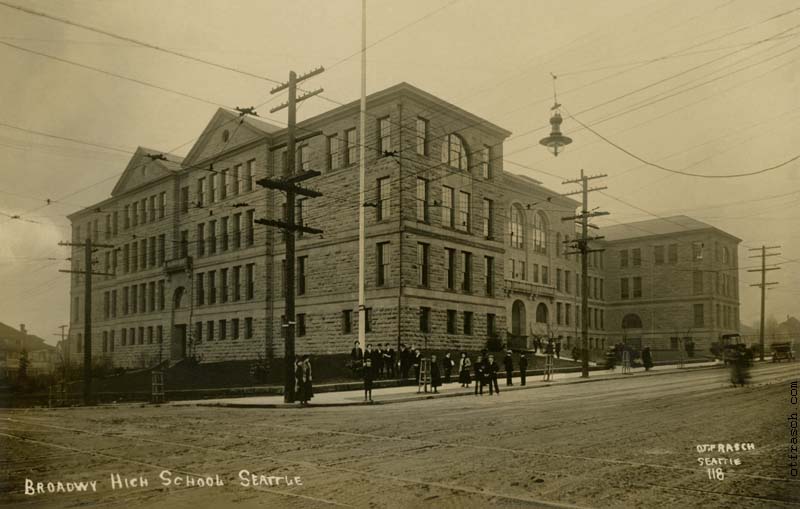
407,393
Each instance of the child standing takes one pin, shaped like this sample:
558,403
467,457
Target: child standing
369,376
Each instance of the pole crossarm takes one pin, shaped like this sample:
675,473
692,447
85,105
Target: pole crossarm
297,100
764,269
83,244
759,285
585,215
283,225
299,139
84,272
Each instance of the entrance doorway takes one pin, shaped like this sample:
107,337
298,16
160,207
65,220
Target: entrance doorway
178,350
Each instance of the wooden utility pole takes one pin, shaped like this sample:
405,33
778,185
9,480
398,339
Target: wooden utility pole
763,285
288,184
87,310
581,246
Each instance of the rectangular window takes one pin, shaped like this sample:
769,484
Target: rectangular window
623,289
452,316
382,263
151,296
135,299
113,303
249,175
223,329
142,297
347,321
697,282
351,147
143,253
125,300
162,304
623,258
422,200
162,205
384,198
200,239
250,269
488,218
637,287
237,289
212,237
126,218
558,279
210,330
223,285
152,251
235,176
134,214
303,158
658,255
250,233
106,305
486,161
450,267
223,231
212,286
123,337
333,152
213,187
636,253
368,320
248,327
697,250
699,318
301,274
448,212
152,208
425,320
488,272
559,313
466,271
567,281
491,319
201,192
463,211
422,136
567,313
535,272
384,134
545,275
225,183
522,267
235,328
237,232
468,323
423,267
107,232
200,289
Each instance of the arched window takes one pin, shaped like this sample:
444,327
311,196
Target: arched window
517,227
632,321
540,233
541,313
454,152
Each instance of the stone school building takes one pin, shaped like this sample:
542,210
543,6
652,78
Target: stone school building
458,250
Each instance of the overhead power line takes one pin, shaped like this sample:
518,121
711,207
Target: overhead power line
679,172
135,41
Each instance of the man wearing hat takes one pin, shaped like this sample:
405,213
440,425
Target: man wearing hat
508,363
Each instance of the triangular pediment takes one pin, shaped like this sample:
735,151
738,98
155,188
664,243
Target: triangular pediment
226,130
146,166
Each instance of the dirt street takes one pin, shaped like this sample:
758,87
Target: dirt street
618,443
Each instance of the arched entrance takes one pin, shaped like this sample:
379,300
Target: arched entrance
632,330
518,318
180,317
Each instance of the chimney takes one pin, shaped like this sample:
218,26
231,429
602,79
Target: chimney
22,328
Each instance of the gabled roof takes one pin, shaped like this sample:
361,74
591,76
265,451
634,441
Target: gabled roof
652,227
15,340
142,169
239,129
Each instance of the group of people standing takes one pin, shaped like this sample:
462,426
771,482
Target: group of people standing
485,370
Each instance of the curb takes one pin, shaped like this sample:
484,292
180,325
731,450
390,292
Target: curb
424,396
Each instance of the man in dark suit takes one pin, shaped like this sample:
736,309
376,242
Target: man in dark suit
508,363
523,367
491,373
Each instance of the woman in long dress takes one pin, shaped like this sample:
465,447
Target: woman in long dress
299,386
308,389
464,366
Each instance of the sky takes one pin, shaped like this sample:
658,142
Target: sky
708,87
